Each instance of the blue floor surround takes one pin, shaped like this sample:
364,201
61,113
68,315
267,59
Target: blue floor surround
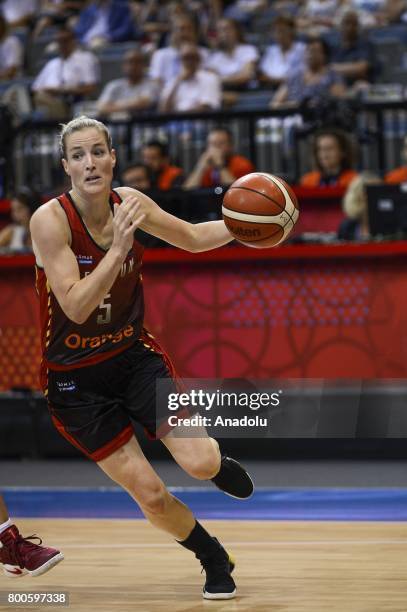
265,504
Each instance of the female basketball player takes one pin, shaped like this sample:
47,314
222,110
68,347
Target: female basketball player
18,555
99,364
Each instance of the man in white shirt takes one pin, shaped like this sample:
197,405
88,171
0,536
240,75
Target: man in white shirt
165,63
11,53
65,79
285,57
194,89
233,60
132,93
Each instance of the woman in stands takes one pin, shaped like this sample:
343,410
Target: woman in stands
16,235
333,155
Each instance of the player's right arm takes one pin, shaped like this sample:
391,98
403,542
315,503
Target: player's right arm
79,297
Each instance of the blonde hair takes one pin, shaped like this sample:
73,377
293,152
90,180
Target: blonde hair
81,123
354,201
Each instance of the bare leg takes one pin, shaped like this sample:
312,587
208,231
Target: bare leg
129,467
3,511
199,456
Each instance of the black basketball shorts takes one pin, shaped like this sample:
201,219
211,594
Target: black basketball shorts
97,406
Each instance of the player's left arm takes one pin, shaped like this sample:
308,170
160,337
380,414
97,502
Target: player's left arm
188,236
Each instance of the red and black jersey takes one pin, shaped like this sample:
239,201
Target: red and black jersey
113,326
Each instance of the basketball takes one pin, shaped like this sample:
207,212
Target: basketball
260,210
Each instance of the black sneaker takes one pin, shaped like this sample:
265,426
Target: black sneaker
233,479
218,566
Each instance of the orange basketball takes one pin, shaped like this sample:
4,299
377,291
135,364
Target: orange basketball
260,210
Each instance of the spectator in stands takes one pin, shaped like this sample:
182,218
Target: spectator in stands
399,175
65,79
233,60
16,236
56,13
137,176
333,155
194,89
370,13
103,22
163,175
134,92
166,63
395,12
218,164
19,13
311,84
351,59
286,56
317,16
356,224
243,11
11,53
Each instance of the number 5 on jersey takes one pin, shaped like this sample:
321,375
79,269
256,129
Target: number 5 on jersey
106,316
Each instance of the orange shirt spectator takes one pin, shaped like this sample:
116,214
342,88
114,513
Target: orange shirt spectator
399,175
237,165
218,164
333,157
167,177
316,179
164,176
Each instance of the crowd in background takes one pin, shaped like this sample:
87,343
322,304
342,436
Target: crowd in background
197,56
189,56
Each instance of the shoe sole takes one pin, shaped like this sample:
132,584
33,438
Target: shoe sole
231,595
37,572
47,566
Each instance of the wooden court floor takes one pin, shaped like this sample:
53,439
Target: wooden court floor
127,566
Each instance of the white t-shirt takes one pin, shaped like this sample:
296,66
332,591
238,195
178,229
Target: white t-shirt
279,65
166,64
122,89
227,64
203,88
80,68
321,8
11,53
14,10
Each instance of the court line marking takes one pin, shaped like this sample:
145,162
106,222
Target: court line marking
262,543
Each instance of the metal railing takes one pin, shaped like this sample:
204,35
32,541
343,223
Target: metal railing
276,141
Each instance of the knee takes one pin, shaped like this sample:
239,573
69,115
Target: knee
153,500
204,467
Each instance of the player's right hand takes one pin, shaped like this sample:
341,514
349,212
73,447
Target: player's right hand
126,219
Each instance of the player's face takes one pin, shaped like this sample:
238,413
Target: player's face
89,163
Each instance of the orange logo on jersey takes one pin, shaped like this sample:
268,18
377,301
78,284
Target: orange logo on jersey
75,341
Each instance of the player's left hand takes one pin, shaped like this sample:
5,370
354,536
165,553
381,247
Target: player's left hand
131,202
